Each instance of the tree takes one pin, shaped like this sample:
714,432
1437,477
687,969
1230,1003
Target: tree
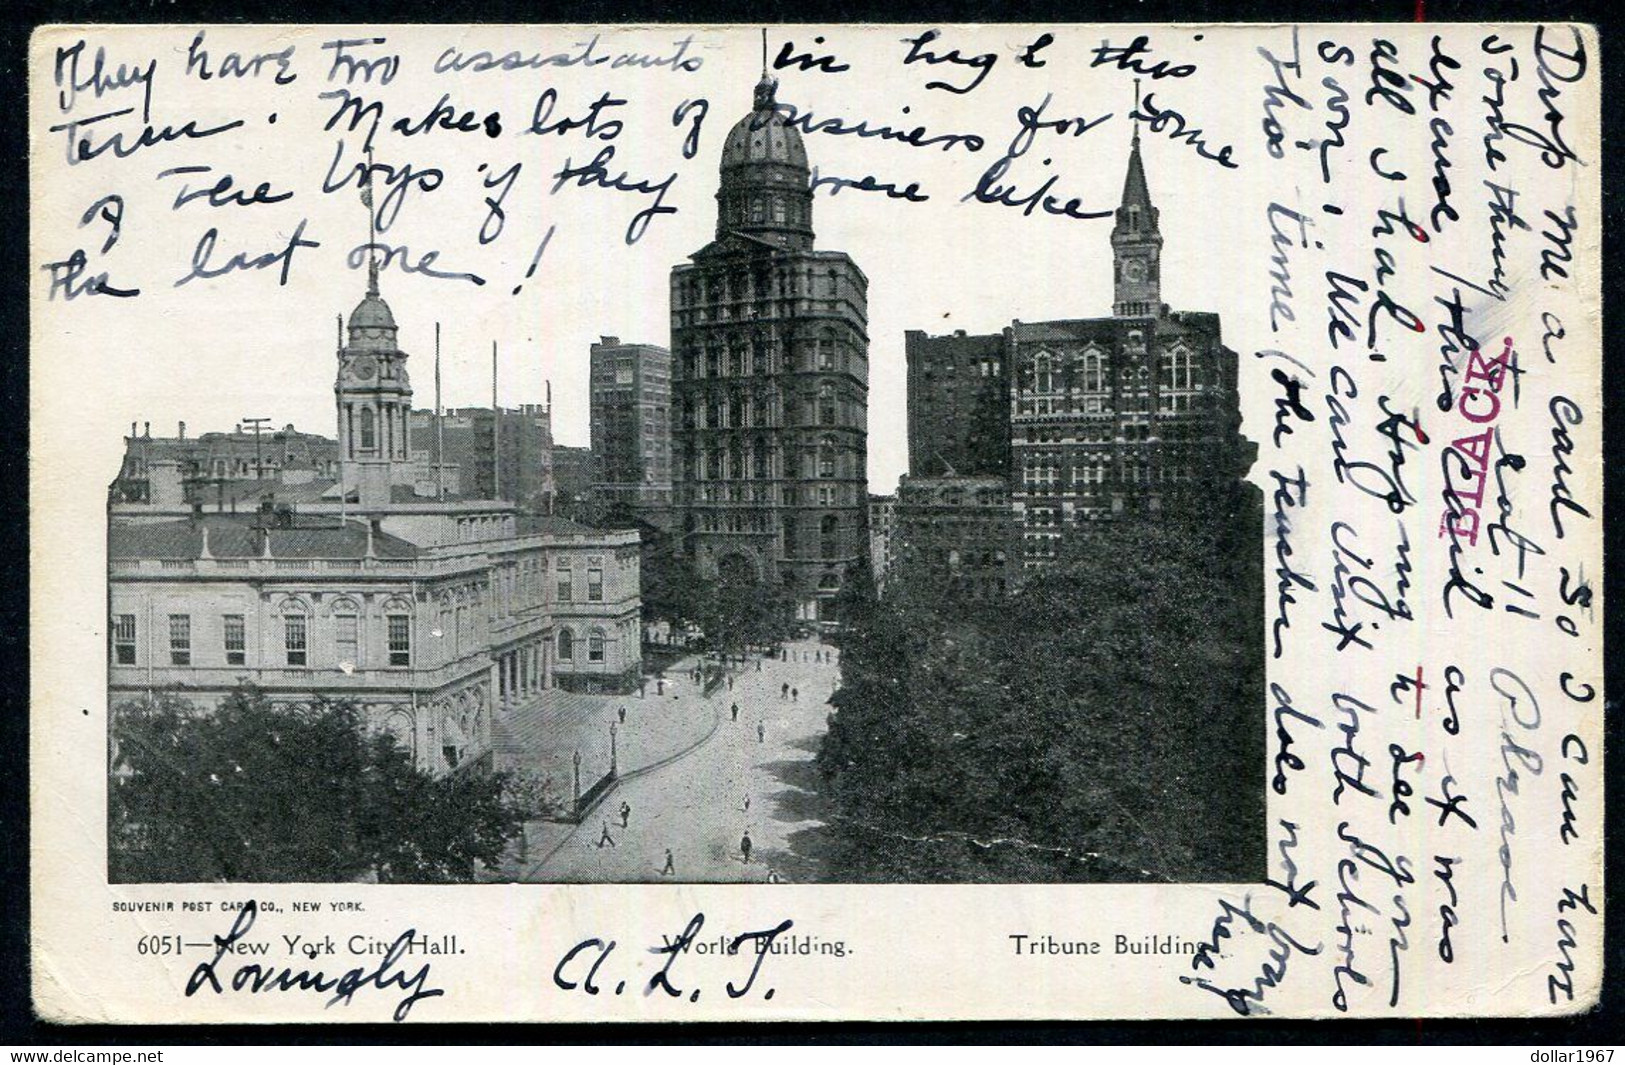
252,792
1094,726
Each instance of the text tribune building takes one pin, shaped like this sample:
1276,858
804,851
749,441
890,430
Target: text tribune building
770,379
436,614
1104,416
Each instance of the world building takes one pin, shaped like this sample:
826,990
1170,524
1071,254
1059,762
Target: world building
1082,419
770,380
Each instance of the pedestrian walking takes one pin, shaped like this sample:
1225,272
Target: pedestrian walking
761,732
784,690
795,694
758,665
746,807
734,710
643,686
626,814
660,685
623,715
606,837
730,682
744,846
668,869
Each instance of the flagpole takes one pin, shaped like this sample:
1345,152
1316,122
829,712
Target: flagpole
439,425
496,430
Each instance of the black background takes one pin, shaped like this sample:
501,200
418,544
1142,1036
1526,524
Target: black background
18,1025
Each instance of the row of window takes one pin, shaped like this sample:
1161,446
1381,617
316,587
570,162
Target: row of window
737,412
1091,373
824,354
295,639
692,288
710,465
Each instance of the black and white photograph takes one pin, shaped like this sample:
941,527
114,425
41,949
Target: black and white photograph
1125,498
707,639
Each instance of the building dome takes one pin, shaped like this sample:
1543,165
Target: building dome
763,136
372,313
765,192
372,324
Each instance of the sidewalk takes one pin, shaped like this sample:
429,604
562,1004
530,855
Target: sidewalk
543,736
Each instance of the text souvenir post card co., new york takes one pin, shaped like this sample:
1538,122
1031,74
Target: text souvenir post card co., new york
666,522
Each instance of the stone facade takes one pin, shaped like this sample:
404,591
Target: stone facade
436,615
770,379
1100,416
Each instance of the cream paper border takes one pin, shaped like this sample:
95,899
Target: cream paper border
914,951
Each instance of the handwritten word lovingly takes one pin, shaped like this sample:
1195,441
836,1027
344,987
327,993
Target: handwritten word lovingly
258,979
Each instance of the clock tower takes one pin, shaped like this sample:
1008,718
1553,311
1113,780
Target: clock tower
1136,246
373,396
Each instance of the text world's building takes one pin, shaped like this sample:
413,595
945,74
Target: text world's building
770,379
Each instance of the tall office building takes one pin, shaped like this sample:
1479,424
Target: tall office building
770,379
631,427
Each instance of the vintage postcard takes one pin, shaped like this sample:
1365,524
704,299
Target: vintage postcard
815,522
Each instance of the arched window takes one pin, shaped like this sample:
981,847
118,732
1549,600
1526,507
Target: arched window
826,457
758,346
761,461
1042,375
826,405
347,633
736,462
789,536
736,410
567,646
829,536
295,632
826,352
369,430
595,645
